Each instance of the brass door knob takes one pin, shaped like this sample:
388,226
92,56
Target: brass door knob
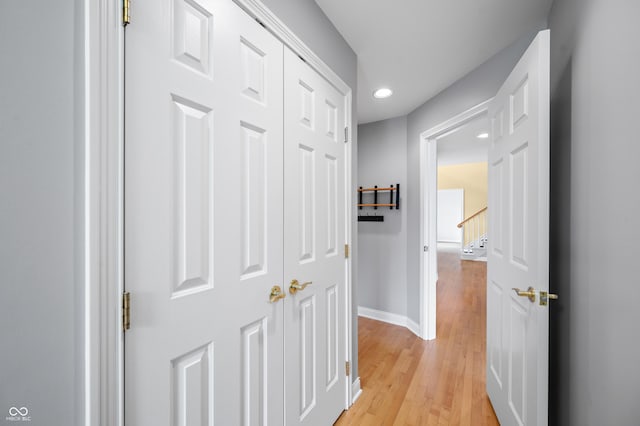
530,293
276,294
295,286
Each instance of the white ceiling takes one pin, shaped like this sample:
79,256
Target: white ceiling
462,145
420,47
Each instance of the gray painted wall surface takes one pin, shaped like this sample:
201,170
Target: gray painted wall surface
382,156
594,341
311,25
40,172
476,87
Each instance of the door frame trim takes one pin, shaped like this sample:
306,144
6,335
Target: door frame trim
428,212
103,207
103,349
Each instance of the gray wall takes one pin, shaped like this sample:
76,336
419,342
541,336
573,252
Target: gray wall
594,341
382,156
40,225
311,25
476,87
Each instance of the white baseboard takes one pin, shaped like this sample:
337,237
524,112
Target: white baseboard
356,391
414,327
382,316
390,318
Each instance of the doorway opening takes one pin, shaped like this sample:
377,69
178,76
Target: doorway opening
462,182
455,150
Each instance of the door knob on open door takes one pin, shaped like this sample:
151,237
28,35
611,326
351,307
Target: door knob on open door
295,286
276,294
544,298
530,293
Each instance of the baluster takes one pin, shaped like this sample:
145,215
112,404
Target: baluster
466,234
484,226
476,229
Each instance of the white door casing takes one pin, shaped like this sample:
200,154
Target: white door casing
429,273
314,237
518,255
203,216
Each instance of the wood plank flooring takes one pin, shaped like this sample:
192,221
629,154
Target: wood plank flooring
408,381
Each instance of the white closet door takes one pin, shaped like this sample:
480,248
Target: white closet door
204,197
314,237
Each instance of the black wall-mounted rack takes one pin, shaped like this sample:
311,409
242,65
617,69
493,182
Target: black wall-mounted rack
393,191
394,201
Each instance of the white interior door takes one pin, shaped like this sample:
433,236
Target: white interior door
203,212
517,328
450,214
314,239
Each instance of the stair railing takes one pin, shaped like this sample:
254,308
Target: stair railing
474,231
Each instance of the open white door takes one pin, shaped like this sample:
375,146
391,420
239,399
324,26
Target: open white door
314,237
518,326
203,212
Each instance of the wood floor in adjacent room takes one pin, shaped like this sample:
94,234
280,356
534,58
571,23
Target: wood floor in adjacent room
408,381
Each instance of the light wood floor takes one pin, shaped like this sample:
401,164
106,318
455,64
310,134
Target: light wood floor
408,381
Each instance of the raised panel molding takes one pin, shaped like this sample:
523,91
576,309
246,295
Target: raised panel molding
497,124
308,367
253,71
519,104
519,195
332,121
307,105
497,238
192,398
192,32
494,340
192,124
254,373
332,205
254,202
332,334
307,219
517,362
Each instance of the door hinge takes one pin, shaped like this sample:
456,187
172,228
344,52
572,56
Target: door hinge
346,134
126,311
347,367
126,12
346,251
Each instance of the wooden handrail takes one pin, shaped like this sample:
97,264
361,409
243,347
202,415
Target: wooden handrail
471,217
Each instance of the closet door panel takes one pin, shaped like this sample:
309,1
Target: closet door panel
314,235
204,216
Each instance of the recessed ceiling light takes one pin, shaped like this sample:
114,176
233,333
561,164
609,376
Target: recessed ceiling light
483,135
382,93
